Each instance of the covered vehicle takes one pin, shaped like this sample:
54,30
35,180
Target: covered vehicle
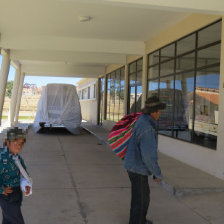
59,107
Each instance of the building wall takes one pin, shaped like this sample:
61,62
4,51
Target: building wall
211,161
89,110
89,104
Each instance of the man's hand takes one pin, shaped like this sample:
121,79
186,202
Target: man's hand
27,190
7,190
155,179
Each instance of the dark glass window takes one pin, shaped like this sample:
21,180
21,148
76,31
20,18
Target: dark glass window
135,86
108,97
186,44
153,87
115,95
132,93
206,106
153,72
101,100
153,58
185,62
183,110
189,85
167,68
208,56
166,93
167,52
121,94
209,34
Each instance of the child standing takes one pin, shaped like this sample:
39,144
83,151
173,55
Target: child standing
13,177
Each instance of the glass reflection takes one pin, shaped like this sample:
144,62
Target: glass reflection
186,44
167,68
206,107
153,72
184,93
208,56
102,82
210,34
135,88
166,95
153,87
153,58
186,62
167,52
121,95
132,93
116,96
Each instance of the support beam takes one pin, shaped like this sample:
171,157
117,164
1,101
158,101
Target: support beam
19,97
3,78
73,44
68,57
13,101
62,70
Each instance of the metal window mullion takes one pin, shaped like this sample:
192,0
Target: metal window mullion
128,98
195,73
174,87
147,84
110,96
159,72
99,103
136,86
119,94
114,93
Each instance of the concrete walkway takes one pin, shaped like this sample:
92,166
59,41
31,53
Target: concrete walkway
78,180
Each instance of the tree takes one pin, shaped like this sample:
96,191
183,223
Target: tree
9,87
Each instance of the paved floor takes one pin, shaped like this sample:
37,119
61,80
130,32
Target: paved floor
79,181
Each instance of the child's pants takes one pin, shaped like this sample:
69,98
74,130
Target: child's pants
11,207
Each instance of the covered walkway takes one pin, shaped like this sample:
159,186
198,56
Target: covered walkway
78,180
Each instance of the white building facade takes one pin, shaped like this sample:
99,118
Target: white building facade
86,89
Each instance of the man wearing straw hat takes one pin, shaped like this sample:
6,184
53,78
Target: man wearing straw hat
141,159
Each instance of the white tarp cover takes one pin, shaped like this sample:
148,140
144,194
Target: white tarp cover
59,106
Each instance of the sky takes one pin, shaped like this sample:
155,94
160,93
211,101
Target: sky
41,80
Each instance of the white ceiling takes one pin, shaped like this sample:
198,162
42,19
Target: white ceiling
46,37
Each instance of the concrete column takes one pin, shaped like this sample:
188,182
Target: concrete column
3,78
98,85
126,89
144,80
13,101
105,98
19,96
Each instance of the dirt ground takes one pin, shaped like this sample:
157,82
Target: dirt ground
28,107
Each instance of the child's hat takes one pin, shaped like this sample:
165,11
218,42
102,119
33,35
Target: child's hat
15,133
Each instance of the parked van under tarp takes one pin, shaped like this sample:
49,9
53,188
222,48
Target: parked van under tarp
58,107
